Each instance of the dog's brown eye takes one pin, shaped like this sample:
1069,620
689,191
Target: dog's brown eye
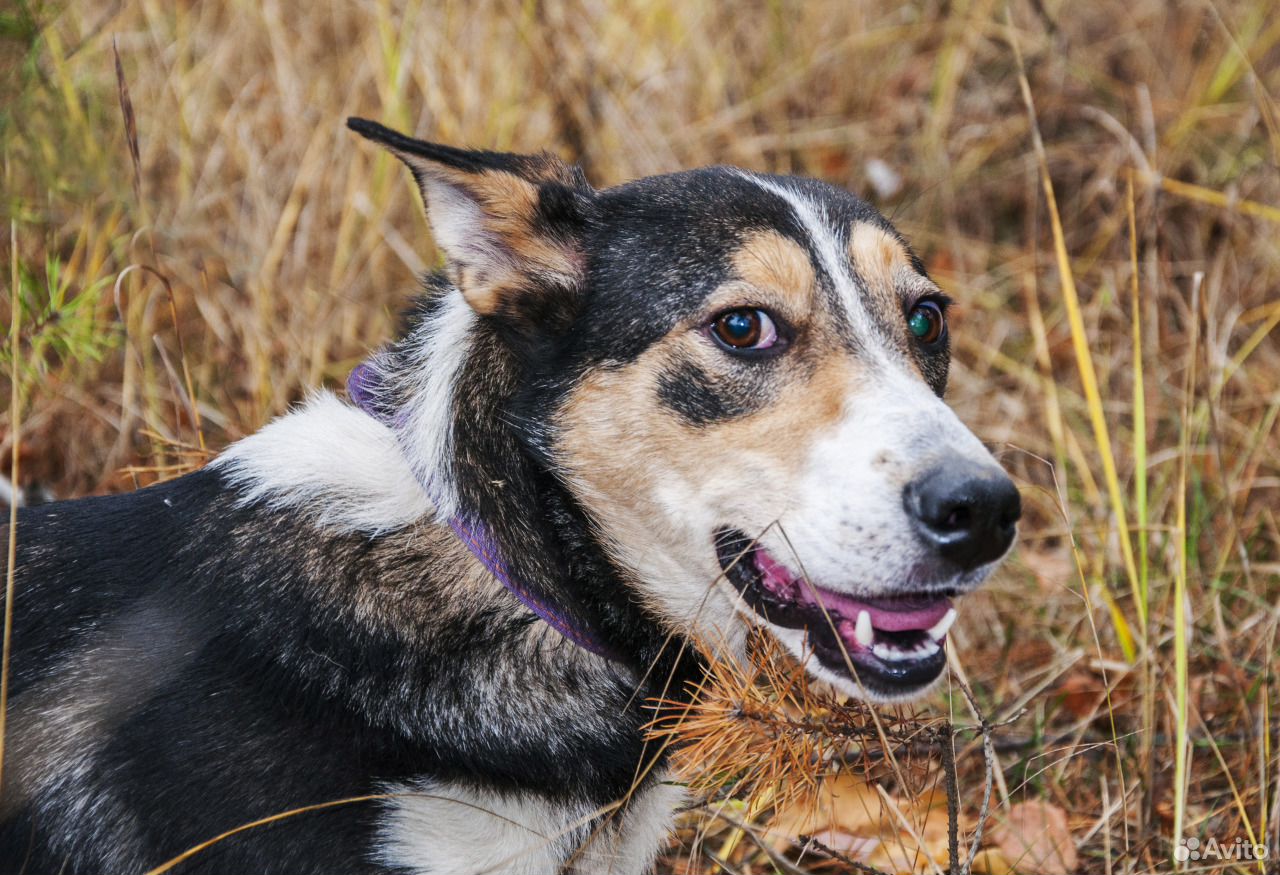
746,328
926,322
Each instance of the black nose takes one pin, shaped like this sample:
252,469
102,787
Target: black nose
965,511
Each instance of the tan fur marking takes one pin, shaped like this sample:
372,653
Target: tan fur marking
510,206
772,262
876,254
881,261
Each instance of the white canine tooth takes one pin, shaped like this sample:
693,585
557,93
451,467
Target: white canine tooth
862,631
929,648
940,628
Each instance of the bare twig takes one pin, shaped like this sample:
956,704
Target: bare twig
989,760
810,843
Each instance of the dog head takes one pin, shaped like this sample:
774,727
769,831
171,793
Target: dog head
739,377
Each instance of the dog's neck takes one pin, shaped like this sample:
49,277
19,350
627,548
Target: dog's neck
450,390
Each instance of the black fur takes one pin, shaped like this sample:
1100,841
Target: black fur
701,399
276,697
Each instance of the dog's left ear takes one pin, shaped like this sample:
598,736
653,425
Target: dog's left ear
507,224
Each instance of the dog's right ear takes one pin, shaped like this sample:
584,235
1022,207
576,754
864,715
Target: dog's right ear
508,225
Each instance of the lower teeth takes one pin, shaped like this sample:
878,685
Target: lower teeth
893,654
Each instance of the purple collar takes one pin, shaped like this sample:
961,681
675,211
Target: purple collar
477,538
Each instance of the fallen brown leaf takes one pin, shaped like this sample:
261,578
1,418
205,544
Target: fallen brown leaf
851,817
1034,838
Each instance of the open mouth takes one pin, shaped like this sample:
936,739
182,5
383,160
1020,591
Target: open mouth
895,645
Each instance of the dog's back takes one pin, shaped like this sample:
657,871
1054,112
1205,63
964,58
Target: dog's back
144,718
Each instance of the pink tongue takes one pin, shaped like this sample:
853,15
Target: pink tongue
775,577
909,614
887,614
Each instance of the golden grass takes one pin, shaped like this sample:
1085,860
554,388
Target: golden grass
1105,210
11,541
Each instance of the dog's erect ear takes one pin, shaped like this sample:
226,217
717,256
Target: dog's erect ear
506,223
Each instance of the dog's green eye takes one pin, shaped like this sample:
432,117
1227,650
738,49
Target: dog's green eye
926,322
746,328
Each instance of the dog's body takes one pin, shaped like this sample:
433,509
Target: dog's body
630,393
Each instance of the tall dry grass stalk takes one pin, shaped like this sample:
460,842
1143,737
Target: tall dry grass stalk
1105,210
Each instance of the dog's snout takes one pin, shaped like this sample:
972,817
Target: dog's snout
965,511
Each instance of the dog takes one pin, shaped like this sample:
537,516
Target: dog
621,429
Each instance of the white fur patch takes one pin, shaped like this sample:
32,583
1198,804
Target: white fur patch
10,494
448,829
646,827
426,431
335,463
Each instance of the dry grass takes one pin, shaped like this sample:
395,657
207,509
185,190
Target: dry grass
1118,349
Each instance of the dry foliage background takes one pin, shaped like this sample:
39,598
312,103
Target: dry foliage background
1133,394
